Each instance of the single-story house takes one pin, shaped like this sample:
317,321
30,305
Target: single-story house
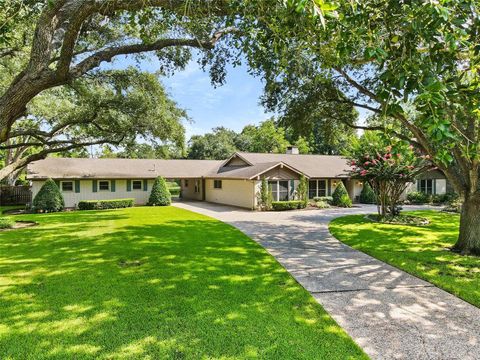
234,181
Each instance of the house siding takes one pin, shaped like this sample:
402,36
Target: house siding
188,192
72,198
239,193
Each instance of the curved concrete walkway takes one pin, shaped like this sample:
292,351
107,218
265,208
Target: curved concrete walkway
389,313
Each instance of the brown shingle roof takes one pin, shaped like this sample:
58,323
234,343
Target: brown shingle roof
313,166
72,168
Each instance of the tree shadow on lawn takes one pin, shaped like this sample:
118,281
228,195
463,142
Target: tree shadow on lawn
421,251
180,289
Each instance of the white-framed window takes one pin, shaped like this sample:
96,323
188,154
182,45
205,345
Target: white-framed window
426,186
280,189
197,186
317,188
67,186
217,184
137,184
104,185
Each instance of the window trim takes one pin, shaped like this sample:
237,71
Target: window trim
185,183
276,194
65,182
217,182
100,187
196,189
424,189
139,181
318,188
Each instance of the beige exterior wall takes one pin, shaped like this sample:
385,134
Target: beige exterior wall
86,192
240,193
188,192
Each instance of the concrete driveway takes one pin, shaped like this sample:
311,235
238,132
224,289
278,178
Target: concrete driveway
389,313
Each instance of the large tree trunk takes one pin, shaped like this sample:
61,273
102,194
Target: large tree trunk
468,242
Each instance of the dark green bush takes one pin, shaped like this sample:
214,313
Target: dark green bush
327,199
417,197
287,205
105,204
447,198
49,198
6,223
340,195
160,195
345,201
367,196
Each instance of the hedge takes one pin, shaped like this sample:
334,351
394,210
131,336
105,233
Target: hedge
327,199
105,204
417,197
287,205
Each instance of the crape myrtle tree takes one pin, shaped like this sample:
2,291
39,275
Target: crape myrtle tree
414,62
388,167
50,44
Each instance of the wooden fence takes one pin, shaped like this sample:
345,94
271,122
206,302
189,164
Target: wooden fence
15,195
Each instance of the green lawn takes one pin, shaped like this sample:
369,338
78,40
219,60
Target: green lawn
153,283
420,251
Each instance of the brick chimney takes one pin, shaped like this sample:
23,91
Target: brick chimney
292,150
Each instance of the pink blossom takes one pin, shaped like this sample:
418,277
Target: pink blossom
366,163
363,172
411,147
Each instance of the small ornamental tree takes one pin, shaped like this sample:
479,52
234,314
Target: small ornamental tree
302,190
367,196
388,167
160,195
340,196
49,198
265,196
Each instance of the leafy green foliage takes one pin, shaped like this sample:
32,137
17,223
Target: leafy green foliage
340,195
49,198
6,223
367,195
288,205
417,197
388,166
302,190
105,204
266,197
160,195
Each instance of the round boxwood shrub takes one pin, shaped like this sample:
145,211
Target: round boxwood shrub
160,195
367,196
49,198
340,195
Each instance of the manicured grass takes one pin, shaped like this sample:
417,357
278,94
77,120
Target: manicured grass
421,251
153,283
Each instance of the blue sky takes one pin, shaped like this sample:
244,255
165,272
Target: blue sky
232,105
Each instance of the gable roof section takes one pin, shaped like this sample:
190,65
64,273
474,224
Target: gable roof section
74,168
247,172
312,166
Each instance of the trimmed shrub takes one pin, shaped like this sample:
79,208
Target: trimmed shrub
345,201
322,204
6,223
287,205
302,190
367,196
105,204
265,196
447,198
417,197
338,196
160,195
327,199
49,198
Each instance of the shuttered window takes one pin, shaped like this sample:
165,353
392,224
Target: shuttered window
137,184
